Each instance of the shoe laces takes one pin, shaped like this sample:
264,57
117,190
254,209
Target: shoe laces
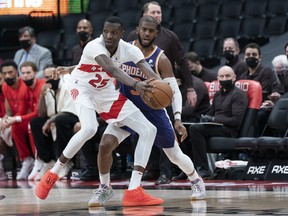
196,188
97,192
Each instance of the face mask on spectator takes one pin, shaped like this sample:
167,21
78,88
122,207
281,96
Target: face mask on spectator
29,82
229,55
83,36
226,84
10,81
25,44
54,83
252,62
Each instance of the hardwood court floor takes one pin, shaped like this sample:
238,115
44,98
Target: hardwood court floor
223,198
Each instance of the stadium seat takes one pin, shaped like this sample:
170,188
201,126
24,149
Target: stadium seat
255,8
231,9
246,138
228,28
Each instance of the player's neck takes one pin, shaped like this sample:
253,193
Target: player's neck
145,50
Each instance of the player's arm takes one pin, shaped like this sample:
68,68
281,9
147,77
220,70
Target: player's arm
108,65
62,70
146,69
166,71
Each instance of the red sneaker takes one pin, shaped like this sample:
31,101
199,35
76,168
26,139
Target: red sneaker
45,185
138,197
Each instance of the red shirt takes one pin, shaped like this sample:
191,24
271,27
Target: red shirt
15,96
31,100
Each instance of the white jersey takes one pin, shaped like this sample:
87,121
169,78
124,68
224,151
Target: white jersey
94,87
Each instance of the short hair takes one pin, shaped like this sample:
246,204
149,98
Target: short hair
234,41
8,62
115,19
29,29
253,46
282,59
145,6
29,64
193,56
151,20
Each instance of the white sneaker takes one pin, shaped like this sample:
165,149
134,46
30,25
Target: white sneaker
45,168
3,175
101,195
198,189
38,164
65,170
27,166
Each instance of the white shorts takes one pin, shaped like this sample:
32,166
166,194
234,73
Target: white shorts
109,103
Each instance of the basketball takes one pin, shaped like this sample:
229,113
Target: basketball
162,96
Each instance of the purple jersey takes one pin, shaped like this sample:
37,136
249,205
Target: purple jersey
159,118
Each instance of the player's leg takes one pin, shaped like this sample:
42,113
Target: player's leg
89,125
135,195
110,140
177,157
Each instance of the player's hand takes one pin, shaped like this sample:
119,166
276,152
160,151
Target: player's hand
46,128
192,98
181,129
206,118
144,88
61,70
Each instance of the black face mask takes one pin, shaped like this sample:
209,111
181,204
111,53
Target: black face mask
29,82
83,36
226,84
25,44
252,62
10,81
1,89
54,83
229,55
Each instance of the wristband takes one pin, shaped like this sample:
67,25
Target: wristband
177,115
18,118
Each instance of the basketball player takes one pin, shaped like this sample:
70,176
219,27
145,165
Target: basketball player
93,88
147,32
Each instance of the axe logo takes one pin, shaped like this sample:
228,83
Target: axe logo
256,170
278,169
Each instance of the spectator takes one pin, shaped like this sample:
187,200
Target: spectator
228,109
14,90
256,71
267,78
20,121
280,67
46,108
231,52
84,30
170,43
198,70
31,51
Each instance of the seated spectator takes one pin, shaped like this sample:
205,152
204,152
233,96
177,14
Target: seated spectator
228,109
198,70
231,53
31,51
47,107
84,30
28,109
267,78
